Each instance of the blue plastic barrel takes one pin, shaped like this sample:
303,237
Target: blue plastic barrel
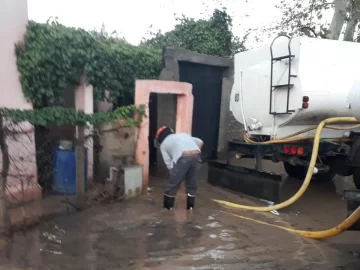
64,172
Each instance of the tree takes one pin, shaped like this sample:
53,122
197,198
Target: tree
310,13
212,36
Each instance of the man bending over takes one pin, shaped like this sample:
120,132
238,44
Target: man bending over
182,156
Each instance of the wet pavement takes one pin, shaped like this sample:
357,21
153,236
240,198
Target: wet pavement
139,234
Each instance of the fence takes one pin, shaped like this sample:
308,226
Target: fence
62,160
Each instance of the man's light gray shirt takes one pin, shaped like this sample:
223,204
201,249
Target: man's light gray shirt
174,145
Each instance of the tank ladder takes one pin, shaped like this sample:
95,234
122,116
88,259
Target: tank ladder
287,86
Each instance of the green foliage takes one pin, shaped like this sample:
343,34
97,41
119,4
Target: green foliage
307,13
69,116
212,36
314,14
53,57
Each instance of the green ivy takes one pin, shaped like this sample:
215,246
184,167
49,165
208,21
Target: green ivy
52,58
130,115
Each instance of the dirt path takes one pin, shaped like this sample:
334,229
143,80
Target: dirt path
138,234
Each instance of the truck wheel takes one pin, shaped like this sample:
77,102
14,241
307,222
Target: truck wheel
299,172
356,177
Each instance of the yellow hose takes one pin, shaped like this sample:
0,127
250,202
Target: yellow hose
343,226
287,138
309,173
326,127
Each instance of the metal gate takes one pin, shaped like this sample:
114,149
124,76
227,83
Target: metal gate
207,85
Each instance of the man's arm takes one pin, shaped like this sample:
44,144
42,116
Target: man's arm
199,142
166,157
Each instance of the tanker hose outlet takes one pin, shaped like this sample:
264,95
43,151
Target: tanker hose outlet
256,125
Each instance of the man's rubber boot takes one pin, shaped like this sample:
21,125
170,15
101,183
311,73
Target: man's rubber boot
169,202
190,202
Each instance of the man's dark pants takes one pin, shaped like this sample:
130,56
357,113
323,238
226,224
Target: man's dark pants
188,167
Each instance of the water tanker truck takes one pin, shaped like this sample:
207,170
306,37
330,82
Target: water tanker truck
280,94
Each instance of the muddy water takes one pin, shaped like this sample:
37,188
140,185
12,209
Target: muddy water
138,234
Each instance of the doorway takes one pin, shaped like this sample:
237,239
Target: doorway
152,130
207,86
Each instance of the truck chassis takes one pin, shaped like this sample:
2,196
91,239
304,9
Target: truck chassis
333,158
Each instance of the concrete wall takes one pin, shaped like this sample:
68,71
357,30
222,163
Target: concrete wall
117,148
166,104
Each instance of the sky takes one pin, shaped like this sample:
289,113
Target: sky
133,18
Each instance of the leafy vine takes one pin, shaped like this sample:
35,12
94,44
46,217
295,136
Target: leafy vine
53,57
130,115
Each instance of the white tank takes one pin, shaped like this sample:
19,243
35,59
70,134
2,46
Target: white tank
326,71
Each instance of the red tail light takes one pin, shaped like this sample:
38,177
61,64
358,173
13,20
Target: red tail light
293,150
305,104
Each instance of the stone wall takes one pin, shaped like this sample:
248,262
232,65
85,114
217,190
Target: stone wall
234,128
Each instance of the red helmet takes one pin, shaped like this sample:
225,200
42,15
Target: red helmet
160,129
159,132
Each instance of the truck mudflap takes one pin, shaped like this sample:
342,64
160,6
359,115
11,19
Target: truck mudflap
252,182
352,197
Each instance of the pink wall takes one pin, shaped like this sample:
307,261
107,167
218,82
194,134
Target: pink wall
13,20
22,182
185,100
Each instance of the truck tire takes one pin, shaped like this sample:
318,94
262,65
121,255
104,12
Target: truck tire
299,172
356,177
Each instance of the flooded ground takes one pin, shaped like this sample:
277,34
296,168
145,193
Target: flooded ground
139,234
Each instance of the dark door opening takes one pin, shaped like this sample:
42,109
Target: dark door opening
207,85
152,130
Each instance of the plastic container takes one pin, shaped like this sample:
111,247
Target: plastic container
64,172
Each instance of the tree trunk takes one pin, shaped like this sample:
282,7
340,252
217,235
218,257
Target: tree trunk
4,215
353,20
338,20
350,28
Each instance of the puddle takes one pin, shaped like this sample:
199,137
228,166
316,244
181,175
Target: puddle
52,251
214,254
212,267
228,247
227,237
197,249
51,237
214,225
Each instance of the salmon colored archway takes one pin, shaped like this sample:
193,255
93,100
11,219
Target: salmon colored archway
184,112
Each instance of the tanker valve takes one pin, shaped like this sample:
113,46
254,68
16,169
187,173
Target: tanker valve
256,125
